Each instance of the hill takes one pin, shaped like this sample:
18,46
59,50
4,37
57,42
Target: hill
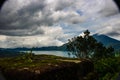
107,41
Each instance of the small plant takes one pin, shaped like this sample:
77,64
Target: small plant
28,56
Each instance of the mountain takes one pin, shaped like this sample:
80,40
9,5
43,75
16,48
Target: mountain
107,41
9,53
48,48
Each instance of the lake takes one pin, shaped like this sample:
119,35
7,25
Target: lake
56,53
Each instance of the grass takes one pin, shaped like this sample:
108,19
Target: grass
38,61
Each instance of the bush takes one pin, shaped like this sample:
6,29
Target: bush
107,68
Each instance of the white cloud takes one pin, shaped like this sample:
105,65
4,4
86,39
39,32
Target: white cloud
110,26
50,38
32,23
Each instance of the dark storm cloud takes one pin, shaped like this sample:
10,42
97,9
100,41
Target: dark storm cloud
33,15
115,31
62,4
27,17
113,34
25,32
32,8
23,22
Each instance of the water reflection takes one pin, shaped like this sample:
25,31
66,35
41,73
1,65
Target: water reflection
57,53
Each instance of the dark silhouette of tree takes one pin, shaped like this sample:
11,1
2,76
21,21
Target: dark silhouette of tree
110,51
87,47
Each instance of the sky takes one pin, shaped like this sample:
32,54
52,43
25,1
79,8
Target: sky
38,23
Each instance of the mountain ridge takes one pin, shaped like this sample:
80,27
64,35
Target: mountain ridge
107,41
104,39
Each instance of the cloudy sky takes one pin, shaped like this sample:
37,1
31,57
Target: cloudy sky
36,23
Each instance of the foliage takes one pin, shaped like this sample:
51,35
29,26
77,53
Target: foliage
107,68
117,53
87,47
28,56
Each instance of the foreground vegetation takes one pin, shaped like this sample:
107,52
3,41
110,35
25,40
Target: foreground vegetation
103,69
106,60
107,68
29,61
37,67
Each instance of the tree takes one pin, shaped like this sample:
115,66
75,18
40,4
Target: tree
86,46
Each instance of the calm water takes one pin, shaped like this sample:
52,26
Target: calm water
56,53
